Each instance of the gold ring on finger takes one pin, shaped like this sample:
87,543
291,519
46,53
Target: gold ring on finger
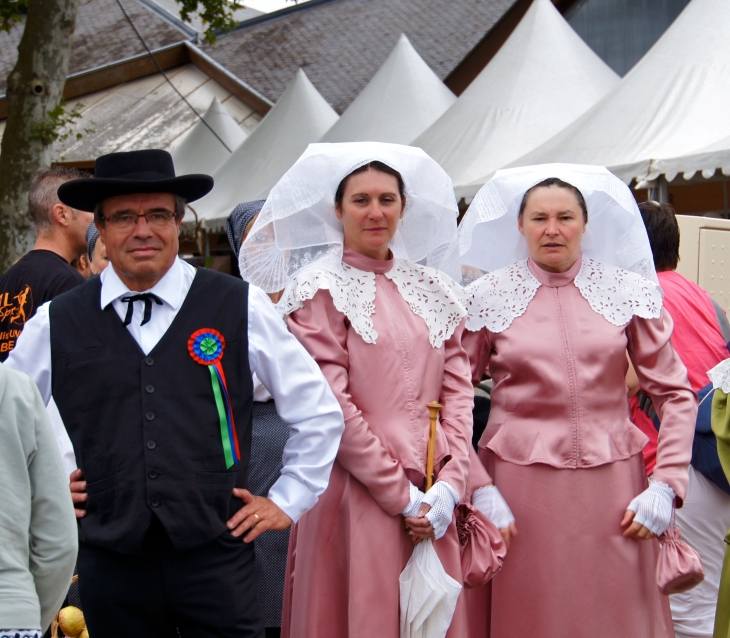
257,517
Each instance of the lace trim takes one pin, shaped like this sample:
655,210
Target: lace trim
617,294
431,295
499,297
352,291
720,376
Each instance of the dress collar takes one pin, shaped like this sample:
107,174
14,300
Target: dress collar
361,262
555,279
170,288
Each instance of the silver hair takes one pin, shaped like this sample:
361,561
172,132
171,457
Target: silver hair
43,194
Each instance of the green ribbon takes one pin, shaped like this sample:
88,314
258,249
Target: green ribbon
222,417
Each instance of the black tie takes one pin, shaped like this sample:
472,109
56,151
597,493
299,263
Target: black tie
148,298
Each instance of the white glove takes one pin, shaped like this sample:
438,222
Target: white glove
443,499
653,507
489,502
414,505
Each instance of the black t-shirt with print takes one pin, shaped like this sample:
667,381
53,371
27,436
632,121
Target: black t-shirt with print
33,280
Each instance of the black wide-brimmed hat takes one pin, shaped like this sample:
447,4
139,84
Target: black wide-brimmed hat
150,171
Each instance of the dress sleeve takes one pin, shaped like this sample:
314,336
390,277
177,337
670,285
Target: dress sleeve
457,397
322,331
477,347
664,378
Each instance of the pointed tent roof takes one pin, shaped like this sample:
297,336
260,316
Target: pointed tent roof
672,103
201,151
300,117
401,101
541,80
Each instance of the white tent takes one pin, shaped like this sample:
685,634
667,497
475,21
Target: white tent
541,80
201,151
300,117
672,103
705,160
401,101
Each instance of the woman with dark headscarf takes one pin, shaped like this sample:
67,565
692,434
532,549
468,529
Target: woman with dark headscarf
269,434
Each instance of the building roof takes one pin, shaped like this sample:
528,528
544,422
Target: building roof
102,36
342,43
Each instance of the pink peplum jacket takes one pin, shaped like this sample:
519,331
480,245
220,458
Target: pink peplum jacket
559,394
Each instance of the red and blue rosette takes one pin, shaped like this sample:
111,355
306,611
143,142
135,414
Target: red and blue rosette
206,347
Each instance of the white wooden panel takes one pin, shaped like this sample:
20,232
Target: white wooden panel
714,264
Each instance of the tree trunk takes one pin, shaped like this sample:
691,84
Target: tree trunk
35,87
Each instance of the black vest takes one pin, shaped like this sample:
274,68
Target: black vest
145,429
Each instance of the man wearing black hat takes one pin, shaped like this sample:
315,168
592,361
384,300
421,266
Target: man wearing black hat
151,366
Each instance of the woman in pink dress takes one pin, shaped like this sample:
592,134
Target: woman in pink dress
569,288
344,229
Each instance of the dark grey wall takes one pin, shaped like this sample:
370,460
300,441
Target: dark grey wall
622,31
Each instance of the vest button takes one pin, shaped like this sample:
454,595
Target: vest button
149,361
151,445
155,502
150,389
150,416
153,474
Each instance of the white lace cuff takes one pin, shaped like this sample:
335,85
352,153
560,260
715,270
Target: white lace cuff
489,502
443,499
414,504
653,507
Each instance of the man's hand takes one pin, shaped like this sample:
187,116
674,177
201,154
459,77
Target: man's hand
259,514
78,492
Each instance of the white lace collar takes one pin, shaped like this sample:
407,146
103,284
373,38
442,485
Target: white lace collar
499,297
720,376
430,294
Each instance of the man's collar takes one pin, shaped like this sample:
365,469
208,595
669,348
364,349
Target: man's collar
169,288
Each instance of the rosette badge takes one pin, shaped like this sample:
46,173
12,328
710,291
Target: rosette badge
206,347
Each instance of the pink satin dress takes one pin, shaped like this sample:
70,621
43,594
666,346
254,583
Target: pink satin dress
346,553
567,459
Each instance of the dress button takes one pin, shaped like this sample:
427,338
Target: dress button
150,416
155,502
151,445
152,474
149,361
150,389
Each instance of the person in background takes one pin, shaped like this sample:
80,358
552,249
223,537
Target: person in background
82,264
96,250
269,433
698,340
38,539
45,271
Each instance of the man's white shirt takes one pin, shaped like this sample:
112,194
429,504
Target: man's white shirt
299,389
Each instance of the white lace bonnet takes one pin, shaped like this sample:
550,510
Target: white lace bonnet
298,226
615,234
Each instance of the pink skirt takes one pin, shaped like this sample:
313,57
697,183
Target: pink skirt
345,557
570,572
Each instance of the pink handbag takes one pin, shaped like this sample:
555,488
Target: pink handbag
679,567
482,546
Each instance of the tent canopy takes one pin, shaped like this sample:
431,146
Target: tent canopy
201,151
672,103
401,101
541,80
300,117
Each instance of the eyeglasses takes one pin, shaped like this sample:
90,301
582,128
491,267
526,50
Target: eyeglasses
126,221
